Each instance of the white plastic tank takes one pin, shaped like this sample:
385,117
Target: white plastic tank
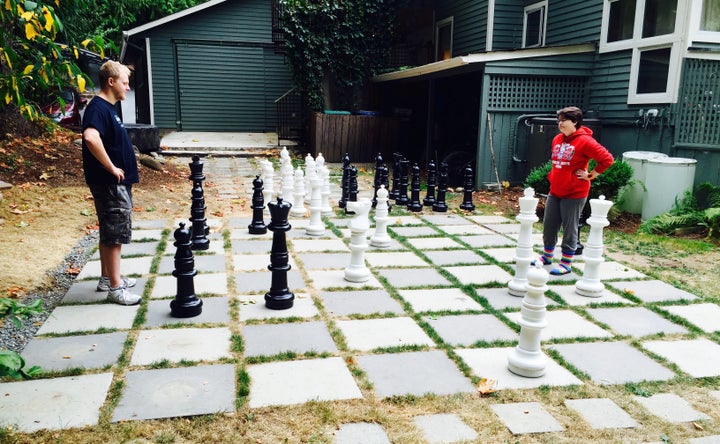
632,194
666,179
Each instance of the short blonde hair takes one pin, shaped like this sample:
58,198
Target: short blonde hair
112,69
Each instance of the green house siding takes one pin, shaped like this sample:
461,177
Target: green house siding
507,25
573,21
469,24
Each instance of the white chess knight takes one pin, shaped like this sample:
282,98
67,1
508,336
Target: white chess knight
298,208
380,238
359,226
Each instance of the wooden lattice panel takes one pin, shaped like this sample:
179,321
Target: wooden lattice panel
698,119
507,93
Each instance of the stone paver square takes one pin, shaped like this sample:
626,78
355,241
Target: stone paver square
318,245
439,299
501,299
361,432
565,324
405,220
175,392
85,292
480,274
505,255
671,408
492,363
327,279
568,294
433,243
215,310
506,228
526,417
464,229
414,373
252,246
413,277
446,219
599,360
261,281
203,284
653,291
369,334
635,321
297,382
324,261
253,307
178,344
697,357
454,257
601,413
205,263
74,318
132,266
444,428
67,352
343,303
53,404
468,329
138,249
703,316
487,240
613,270
296,337
149,234
394,259
147,224
489,219
244,234
418,231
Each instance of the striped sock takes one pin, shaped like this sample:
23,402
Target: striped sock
565,263
548,253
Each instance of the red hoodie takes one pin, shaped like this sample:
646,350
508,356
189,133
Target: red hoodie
572,153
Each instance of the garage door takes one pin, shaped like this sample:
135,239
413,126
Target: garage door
221,88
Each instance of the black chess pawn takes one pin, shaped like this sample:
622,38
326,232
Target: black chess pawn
430,195
352,187
186,304
440,206
199,227
468,187
377,178
257,225
279,297
403,198
415,205
344,181
393,191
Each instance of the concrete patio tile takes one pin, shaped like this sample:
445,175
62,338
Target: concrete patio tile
211,263
132,266
215,247
215,310
361,433
318,245
613,270
506,255
439,299
53,404
446,219
405,220
203,283
599,360
489,219
296,337
394,259
213,223
697,357
501,299
370,334
563,324
635,321
526,417
176,392
297,382
653,291
602,413
146,234
364,302
414,373
243,234
505,228
433,243
454,257
335,279
324,261
492,363
419,231
711,439
716,394
148,224
413,277
257,262
76,318
85,292
464,229
444,428
251,246
261,281
394,245
178,344
480,274
703,316
567,293
67,352
467,329
487,240
253,307
671,408
137,249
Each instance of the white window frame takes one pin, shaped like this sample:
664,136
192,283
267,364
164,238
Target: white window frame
543,6
638,44
697,34
449,21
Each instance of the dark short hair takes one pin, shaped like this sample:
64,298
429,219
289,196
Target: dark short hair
572,113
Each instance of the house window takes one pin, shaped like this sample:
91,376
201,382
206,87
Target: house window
705,21
534,25
710,16
443,39
654,31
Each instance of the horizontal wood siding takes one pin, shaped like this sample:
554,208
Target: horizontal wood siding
508,25
469,24
609,86
573,21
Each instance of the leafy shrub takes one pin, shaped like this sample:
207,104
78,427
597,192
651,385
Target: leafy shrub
11,363
699,209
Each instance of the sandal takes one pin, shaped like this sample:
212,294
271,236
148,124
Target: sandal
560,270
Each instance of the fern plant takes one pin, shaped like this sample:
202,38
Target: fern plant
698,209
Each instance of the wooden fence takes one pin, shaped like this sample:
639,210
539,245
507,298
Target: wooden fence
360,136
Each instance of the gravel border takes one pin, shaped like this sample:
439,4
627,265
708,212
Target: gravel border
15,339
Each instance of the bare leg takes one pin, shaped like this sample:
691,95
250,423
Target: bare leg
110,263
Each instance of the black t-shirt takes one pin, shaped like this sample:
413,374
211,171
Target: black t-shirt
101,115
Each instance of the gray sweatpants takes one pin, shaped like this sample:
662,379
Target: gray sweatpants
565,214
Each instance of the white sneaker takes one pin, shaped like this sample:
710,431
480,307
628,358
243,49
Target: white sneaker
122,296
104,283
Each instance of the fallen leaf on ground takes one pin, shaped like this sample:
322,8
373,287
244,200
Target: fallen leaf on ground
485,386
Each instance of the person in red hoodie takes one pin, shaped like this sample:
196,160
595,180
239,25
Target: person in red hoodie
570,181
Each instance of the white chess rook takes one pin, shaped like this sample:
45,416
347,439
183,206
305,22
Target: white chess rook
527,359
315,227
380,238
359,226
524,250
589,284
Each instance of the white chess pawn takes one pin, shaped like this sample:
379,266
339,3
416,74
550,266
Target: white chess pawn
315,227
359,226
324,174
298,208
380,238
310,172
